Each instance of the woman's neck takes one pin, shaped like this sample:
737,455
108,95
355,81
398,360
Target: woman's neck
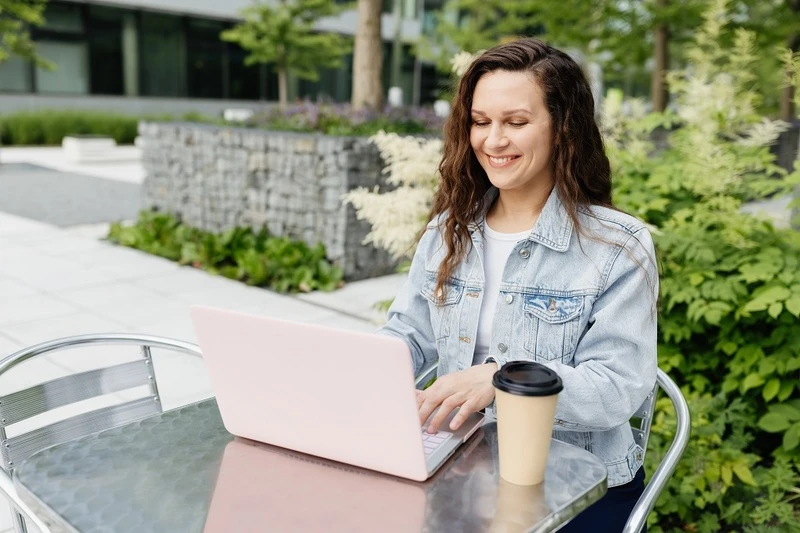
513,212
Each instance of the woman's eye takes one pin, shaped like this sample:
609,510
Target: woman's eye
480,124
518,124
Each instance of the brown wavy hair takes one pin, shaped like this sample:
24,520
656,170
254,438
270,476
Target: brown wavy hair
581,171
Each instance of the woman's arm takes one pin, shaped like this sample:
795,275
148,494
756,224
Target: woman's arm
409,315
615,361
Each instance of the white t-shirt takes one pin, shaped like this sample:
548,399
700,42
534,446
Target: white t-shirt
496,249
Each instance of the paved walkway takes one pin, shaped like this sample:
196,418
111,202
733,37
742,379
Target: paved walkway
58,281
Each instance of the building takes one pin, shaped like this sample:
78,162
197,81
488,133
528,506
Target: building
145,56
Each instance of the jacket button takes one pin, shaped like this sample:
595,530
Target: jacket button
465,339
524,253
502,347
509,298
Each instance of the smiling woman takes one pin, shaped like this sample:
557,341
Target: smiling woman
526,259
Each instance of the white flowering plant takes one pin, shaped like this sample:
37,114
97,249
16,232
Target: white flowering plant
397,215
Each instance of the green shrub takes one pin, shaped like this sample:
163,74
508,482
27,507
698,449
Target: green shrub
256,258
50,127
729,332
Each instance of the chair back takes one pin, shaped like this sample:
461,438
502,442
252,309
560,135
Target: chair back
660,477
642,418
137,377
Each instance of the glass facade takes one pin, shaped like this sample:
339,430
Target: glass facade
104,50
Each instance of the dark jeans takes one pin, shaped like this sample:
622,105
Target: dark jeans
609,514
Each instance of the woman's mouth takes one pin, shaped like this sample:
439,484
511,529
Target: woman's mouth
500,162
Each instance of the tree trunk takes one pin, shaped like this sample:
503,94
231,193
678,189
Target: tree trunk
787,95
658,85
368,57
282,88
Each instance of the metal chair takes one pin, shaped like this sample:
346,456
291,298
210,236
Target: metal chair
22,405
641,433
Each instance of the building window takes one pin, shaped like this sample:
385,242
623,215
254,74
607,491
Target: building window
71,74
245,82
205,53
15,75
104,36
161,55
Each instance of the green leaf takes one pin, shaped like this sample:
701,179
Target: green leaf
767,297
743,472
789,411
791,439
696,279
728,348
775,309
771,389
773,422
786,390
793,305
752,381
727,475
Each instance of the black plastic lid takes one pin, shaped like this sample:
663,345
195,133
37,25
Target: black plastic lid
527,378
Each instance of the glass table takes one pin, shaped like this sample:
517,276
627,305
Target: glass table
180,471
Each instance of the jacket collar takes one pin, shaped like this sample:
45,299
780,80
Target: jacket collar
552,229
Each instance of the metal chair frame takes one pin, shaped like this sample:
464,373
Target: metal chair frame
641,433
39,399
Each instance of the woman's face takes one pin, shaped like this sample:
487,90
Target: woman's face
511,133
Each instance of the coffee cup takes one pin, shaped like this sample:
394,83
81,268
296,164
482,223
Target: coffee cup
526,394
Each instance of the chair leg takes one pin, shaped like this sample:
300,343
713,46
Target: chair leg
19,522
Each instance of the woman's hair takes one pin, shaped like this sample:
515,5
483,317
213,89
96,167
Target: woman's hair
581,170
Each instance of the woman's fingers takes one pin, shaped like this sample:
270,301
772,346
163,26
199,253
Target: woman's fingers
444,411
466,409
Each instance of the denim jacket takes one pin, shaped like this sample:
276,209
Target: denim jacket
583,307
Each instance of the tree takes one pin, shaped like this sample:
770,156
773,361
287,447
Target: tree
775,23
614,33
16,16
368,57
284,36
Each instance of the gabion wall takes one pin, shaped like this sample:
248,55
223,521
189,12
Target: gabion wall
216,178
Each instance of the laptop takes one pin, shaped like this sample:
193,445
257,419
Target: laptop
338,394
265,488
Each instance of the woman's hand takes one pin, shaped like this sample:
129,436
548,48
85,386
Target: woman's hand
470,390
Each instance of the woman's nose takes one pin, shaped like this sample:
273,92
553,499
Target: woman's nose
497,137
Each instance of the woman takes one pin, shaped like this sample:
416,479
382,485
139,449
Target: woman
526,258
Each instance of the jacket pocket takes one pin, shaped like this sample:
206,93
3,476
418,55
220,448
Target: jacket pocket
551,324
442,311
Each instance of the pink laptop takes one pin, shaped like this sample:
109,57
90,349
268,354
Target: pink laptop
337,394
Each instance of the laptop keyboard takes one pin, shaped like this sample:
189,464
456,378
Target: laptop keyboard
432,441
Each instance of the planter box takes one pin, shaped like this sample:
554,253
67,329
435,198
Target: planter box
216,178
80,148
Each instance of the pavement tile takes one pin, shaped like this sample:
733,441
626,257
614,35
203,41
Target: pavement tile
187,280
233,297
8,346
118,293
289,308
68,246
46,276
6,525
143,311
177,327
80,323
20,309
10,288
